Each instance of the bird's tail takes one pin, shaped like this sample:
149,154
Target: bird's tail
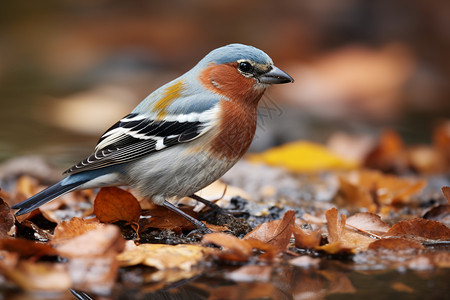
45,196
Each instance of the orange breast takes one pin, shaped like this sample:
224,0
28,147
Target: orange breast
238,114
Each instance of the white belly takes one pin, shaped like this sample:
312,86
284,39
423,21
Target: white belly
168,174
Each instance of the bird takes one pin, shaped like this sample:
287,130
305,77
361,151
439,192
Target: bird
180,138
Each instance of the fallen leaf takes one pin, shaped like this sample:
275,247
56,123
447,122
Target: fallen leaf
389,155
420,229
306,239
162,257
395,244
426,159
73,228
335,226
233,249
336,247
26,248
101,241
440,213
341,238
372,188
113,204
6,219
276,233
269,250
163,218
303,157
367,222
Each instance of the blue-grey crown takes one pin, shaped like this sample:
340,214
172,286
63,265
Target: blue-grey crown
234,52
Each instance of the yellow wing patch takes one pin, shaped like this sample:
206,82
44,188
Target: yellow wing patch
169,95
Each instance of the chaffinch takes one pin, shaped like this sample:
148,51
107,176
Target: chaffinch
183,136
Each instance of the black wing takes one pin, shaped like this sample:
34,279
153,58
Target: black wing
135,136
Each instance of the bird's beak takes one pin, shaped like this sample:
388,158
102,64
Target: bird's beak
275,76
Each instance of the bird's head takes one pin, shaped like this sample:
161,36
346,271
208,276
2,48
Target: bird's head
238,71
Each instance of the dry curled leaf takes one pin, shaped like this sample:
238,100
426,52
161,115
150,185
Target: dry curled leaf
162,257
233,249
306,239
276,233
389,155
163,218
73,228
335,225
97,242
26,248
113,204
367,222
340,238
420,229
371,189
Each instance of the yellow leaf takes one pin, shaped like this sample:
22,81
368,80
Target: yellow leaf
303,157
163,257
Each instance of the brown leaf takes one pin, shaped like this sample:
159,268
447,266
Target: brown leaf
335,226
233,249
269,250
368,188
306,239
6,219
276,233
113,204
342,239
26,248
73,228
440,213
389,155
101,241
395,244
163,218
367,222
162,257
420,229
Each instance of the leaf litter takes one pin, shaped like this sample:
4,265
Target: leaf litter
99,242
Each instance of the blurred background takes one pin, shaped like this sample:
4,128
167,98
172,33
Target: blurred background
69,69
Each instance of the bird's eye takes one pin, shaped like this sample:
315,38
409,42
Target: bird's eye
245,67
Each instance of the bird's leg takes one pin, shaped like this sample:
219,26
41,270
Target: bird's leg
214,207
194,221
